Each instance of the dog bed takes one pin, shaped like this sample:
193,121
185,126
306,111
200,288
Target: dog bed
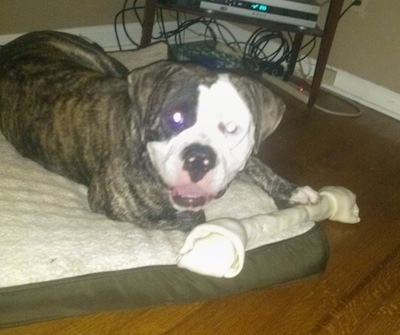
59,259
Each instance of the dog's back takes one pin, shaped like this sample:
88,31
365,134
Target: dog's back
52,84
57,48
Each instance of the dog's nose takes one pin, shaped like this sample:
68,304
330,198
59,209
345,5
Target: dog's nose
198,160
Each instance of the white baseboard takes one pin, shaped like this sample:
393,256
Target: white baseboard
367,93
357,89
347,85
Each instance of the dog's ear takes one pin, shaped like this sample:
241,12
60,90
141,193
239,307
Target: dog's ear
268,115
266,107
144,80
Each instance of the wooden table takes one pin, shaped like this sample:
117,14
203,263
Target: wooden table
326,34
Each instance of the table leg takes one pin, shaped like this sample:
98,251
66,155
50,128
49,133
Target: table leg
148,22
331,23
298,40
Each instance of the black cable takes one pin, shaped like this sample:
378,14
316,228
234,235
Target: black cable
124,24
212,32
209,31
312,41
232,37
254,49
256,56
122,14
135,10
177,33
258,42
116,30
354,3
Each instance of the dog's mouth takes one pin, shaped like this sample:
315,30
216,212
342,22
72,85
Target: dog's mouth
192,196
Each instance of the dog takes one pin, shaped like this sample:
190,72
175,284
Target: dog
155,145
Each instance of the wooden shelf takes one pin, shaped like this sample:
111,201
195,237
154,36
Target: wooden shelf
243,19
326,34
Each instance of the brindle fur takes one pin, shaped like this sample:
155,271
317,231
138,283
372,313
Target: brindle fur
73,109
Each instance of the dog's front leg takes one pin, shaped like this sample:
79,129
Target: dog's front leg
284,192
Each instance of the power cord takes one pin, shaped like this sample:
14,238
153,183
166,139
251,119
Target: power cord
358,111
256,57
352,4
122,14
301,93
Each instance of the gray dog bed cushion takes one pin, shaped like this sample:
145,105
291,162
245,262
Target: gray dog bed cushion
58,259
293,259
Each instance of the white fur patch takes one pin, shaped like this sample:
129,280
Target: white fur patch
224,123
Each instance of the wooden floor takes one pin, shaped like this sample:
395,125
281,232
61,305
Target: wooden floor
360,291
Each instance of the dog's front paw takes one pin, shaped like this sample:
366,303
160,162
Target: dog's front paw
304,195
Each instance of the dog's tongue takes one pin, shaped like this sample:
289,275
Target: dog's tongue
190,195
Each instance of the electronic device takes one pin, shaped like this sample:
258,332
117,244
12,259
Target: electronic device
299,13
302,13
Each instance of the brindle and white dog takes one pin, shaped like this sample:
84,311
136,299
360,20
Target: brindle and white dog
155,145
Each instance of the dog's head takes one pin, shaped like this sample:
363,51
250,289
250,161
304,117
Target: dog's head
200,126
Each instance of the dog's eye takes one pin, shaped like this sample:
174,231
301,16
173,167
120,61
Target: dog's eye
176,119
229,127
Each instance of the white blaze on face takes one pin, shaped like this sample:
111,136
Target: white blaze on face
223,123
